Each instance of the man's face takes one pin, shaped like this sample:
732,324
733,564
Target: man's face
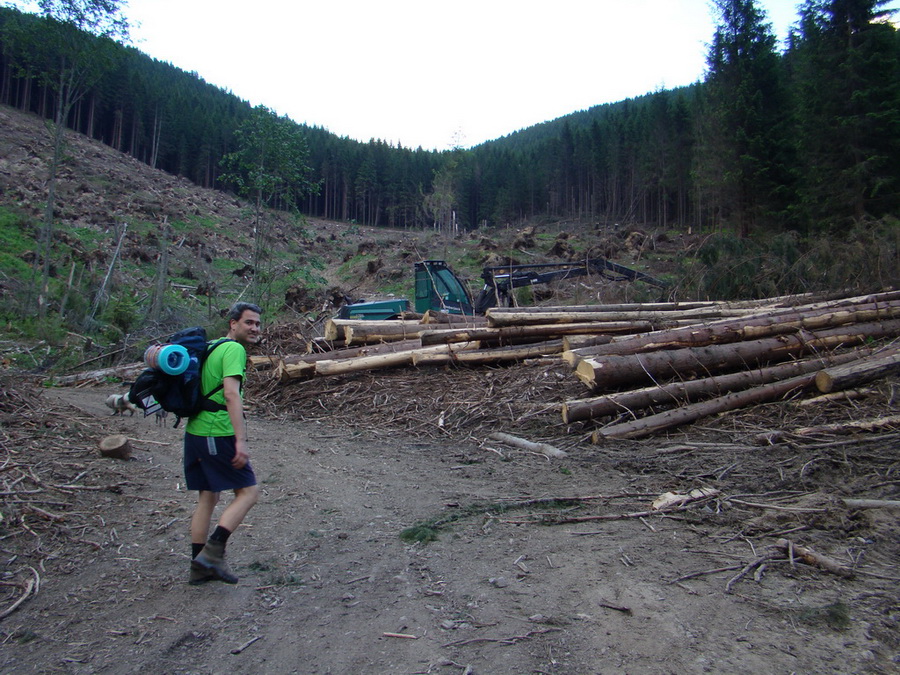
246,329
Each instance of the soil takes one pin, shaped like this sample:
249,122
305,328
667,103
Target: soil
329,586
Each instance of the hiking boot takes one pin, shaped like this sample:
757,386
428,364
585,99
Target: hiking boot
210,562
200,575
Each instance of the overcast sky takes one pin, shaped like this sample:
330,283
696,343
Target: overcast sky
434,73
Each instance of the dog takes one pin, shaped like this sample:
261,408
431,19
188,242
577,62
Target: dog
119,404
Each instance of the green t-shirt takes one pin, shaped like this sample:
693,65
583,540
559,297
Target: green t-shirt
228,360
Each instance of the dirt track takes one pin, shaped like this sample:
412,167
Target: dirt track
328,586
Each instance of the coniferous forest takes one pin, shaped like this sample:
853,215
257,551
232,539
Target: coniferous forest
804,138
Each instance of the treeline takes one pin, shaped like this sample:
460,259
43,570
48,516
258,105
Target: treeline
769,140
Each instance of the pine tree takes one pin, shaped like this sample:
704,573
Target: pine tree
745,144
847,73
269,168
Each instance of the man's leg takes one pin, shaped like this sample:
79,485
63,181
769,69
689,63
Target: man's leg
206,504
211,560
244,500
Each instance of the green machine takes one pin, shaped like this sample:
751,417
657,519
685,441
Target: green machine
440,290
437,288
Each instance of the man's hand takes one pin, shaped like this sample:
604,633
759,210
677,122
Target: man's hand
241,456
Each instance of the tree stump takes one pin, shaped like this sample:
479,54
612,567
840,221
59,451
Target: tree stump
116,447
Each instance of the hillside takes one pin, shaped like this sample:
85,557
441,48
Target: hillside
313,263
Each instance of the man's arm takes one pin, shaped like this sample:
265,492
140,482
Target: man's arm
231,388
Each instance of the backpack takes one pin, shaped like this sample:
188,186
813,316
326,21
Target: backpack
178,394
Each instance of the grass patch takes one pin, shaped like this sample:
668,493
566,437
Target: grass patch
836,615
426,531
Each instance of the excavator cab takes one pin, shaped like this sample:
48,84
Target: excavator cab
438,288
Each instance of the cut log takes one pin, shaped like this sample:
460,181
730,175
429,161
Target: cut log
846,395
748,328
530,446
397,329
506,334
117,447
433,318
403,358
856,426
286,372
606,372
851,375
692,390
617,307
573,342
509,318
672,418
354,352
128,371
368,332
483,356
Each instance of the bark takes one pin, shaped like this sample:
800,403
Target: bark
690,391
508,333
484,356
508,318
336,329
125,372
366,334
530,446
748,328
432,317
851,375
671,418
845,428
606,372
354,352
404,358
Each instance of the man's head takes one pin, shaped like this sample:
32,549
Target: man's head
243,323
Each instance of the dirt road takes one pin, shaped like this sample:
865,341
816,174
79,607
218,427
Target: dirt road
328,585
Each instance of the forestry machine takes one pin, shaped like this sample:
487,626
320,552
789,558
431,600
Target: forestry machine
439,289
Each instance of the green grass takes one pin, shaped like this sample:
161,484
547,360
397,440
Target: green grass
17,235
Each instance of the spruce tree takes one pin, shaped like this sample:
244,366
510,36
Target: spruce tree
744,145
846,70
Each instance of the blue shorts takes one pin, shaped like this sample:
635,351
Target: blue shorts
207,464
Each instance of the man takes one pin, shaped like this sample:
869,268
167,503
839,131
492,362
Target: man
216,456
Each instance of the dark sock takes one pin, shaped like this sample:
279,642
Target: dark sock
220,534
195,549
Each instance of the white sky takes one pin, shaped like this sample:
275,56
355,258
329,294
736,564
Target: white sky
434,73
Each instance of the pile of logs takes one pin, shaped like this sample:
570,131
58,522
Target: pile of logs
722,365
694,359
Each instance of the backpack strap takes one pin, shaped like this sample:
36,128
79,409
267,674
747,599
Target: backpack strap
205,402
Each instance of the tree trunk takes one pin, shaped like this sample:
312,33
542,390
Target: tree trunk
483,356
672,418
605,372
506,334
748,328
361,331
509,318
691,390
404,358
851,375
